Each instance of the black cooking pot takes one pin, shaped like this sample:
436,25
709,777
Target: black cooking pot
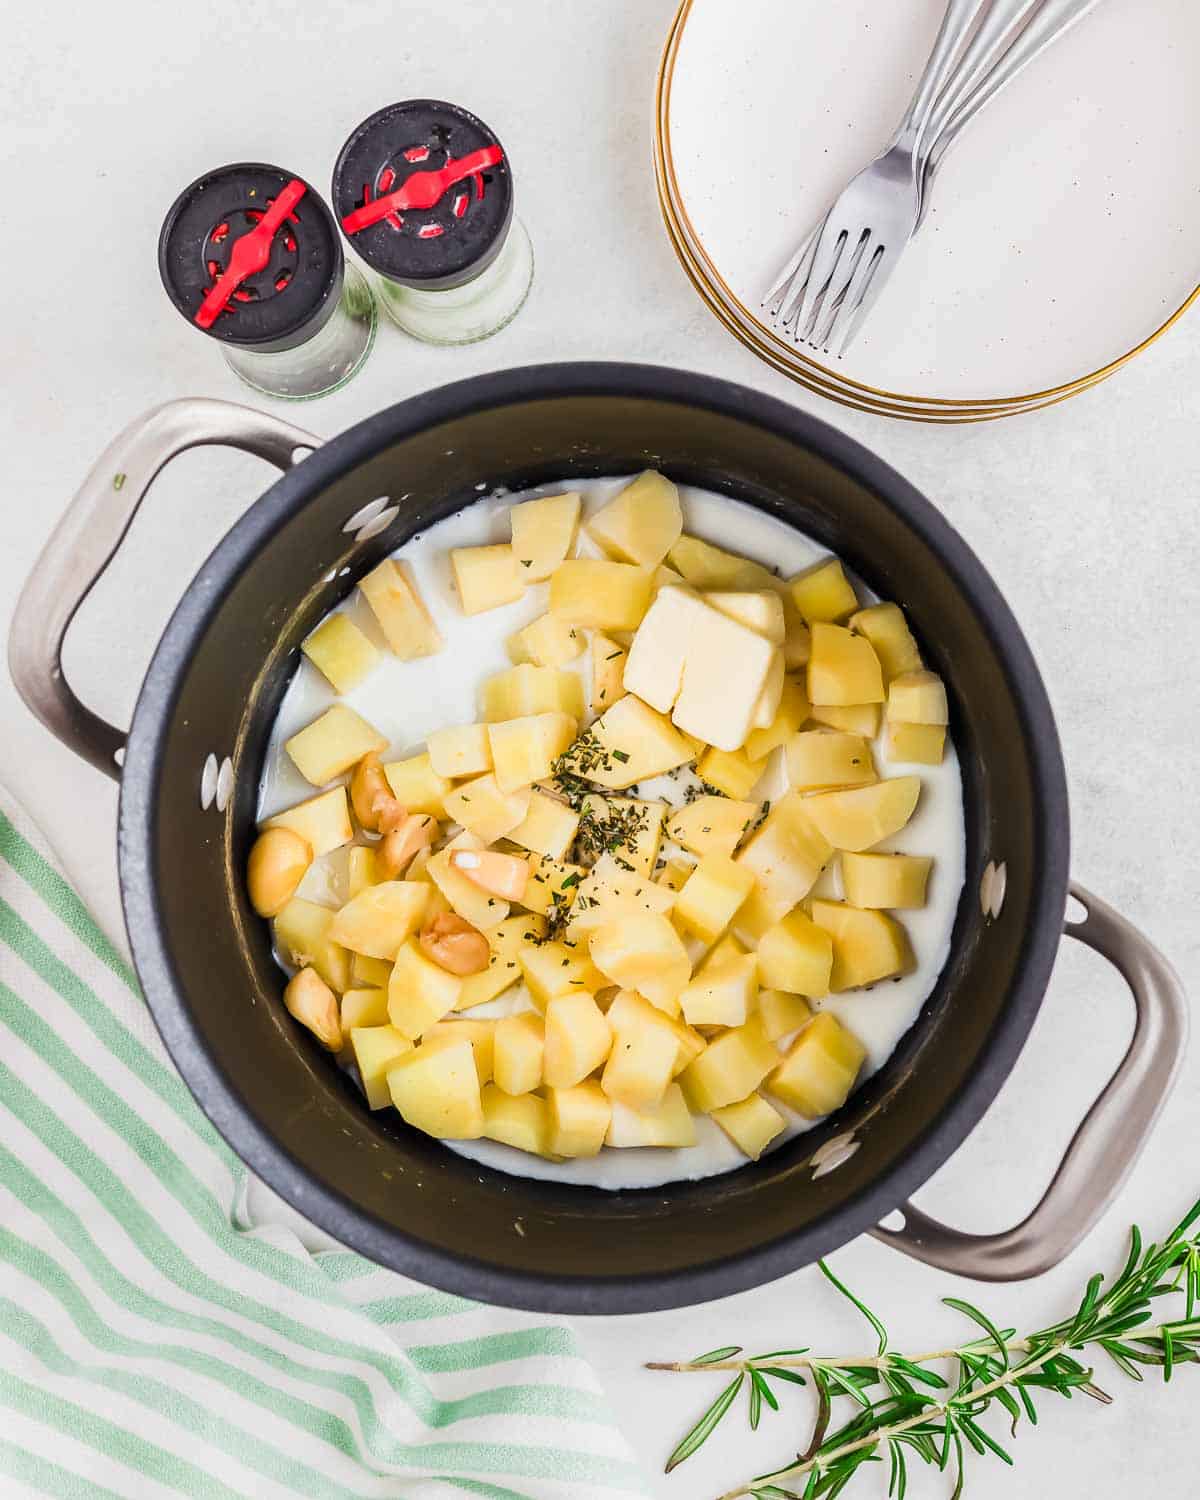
190,768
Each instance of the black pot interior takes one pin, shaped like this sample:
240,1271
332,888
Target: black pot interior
206,961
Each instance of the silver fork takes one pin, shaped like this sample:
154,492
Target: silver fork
890,177
830,285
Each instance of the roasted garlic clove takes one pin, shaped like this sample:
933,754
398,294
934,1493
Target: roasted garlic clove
310,1000
454,945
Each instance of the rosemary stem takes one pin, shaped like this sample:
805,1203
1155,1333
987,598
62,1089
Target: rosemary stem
856,1362
882,1434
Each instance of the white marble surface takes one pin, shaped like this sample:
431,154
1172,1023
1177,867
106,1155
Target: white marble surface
1088,515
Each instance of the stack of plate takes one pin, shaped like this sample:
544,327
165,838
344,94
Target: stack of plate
1064,231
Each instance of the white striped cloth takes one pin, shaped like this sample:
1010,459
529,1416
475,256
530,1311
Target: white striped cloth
154,1345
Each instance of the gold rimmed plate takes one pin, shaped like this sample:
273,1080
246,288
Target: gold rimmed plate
1050,257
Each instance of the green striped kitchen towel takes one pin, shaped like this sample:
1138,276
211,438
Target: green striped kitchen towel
154,1345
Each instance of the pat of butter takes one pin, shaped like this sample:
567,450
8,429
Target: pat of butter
771,695
759,610
707,669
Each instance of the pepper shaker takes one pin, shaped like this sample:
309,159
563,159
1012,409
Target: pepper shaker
251,255
423,190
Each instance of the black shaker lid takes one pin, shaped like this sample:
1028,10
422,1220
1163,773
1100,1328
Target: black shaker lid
423,191
250,255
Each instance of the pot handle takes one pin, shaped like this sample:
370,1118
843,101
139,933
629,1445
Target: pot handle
86,539
1107,1143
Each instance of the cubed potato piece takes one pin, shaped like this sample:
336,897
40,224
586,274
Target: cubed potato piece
333,743
419,992
760,610
527,689
304,940
917,698
732,772
668,1123
462,750
721,994
340,652
486,577
548,827
524,750
916,744
470,901
785,856
543,533
674,874
552,886
819,1069
707,567
436,1089
729,1068
363,1008
600,595
608,672
782,1012
887,630
522,1121
823,592
505,940
376,1048
630,1010
795,955
517,1052
480,1034
380,918
843,668
323,822
609,892
417,786
361,872
713,893
793,711
552,969
578,1039
579,1119
867,945
751,1124
547,642
820,760
640,1065
865,815
797,638
400,611
630,828
853,718
712,825
369,973
641,524
487,811
728,947
628,743
642,951
895,882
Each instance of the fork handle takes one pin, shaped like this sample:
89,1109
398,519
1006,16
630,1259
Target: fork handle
957,22
1054,19
1001,24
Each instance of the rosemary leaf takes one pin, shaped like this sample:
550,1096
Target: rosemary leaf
704,1427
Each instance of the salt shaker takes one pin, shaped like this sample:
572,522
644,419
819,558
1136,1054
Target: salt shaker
251,256
423,190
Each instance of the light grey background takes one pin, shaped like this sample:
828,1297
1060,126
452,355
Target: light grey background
1086,514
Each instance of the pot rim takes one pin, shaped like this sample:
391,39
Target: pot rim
268,1156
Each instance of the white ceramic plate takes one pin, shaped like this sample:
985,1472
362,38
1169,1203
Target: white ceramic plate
1065,227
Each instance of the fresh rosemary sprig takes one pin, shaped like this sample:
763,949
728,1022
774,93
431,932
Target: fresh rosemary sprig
920,1413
